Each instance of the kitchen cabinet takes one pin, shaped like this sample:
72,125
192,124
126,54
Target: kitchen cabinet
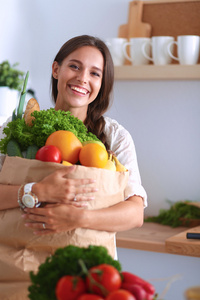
160,238
152,72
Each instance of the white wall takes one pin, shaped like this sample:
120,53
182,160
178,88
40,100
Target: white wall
162,116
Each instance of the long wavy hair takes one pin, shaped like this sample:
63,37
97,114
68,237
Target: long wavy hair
94,121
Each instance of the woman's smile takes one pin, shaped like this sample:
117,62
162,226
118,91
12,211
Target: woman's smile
79,90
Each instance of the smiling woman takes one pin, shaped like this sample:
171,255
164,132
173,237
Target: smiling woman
82,82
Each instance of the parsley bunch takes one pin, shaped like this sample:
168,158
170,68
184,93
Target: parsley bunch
65,261
45,123
175,214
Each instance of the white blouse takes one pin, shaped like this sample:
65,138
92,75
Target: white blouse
121,143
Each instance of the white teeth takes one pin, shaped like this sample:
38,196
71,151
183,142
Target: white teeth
75,88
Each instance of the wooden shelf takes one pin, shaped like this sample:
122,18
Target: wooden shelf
159,238
152,72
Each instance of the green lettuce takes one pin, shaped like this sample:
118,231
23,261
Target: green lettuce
46,122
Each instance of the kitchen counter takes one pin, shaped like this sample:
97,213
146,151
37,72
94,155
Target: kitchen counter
160,238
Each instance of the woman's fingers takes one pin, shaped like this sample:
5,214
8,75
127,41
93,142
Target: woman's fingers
40,228
52,218
58,188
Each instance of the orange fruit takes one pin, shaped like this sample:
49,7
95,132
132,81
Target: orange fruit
93,155
68,144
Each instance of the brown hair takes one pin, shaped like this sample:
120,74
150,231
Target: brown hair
94,121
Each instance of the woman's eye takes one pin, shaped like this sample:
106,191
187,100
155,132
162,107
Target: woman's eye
96,74
74,67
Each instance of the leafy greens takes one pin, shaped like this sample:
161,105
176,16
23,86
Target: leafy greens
45,123
65,261
175,214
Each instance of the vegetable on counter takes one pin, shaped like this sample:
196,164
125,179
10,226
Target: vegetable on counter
75,273
108,277
180,213
65,261
70,287
138,286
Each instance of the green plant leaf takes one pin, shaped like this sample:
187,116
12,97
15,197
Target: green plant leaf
22,98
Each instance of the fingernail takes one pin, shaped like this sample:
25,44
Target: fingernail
27,224
23,216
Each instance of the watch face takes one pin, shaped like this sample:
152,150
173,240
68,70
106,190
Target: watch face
28,201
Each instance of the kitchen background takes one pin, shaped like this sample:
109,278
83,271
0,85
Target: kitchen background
163,116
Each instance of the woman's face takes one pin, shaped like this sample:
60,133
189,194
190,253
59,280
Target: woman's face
79,80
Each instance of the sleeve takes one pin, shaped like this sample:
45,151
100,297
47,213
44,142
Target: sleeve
121,143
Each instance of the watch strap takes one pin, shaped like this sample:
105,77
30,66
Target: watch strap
28,187
20,195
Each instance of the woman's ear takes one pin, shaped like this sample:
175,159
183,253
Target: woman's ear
55,68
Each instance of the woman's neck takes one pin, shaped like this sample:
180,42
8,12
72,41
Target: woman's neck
79,113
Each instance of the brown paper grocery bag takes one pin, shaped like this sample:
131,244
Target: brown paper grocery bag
20,250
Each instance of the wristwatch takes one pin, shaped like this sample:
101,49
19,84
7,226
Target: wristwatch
29,199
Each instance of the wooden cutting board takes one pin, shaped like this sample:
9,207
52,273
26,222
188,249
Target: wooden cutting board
179,244
135,26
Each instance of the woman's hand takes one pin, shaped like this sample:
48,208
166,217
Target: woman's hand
53,218
57,188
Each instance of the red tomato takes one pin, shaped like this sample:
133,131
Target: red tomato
105,275
120,295
90,297
49,153
136,290
69,287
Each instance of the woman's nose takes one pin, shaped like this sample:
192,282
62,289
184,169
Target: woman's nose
82,77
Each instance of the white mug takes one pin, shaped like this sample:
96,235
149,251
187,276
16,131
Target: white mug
159,45
136,55
115,46
188,47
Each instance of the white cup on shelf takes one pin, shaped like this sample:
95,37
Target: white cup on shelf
188,48
136,54
159,46
115,46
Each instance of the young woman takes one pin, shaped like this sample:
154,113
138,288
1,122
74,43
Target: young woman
82,81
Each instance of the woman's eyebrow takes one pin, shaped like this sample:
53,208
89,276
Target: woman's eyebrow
79,62
75,60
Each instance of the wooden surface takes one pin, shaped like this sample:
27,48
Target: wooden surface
151,72
135,26
178,244
153,237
